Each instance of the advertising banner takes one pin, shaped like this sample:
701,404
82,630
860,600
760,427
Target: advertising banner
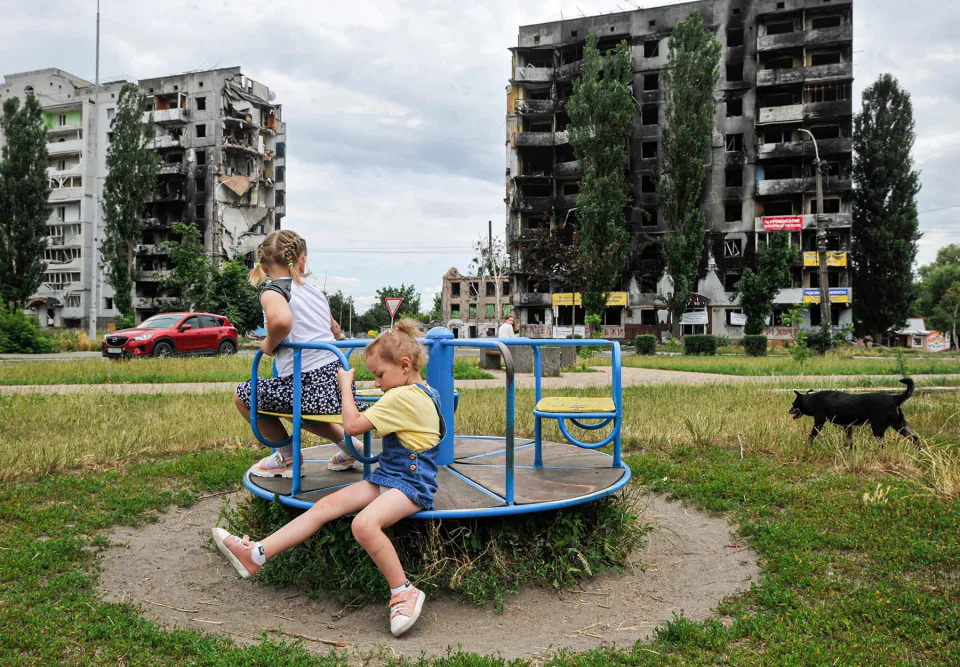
837,295
781,223
833,258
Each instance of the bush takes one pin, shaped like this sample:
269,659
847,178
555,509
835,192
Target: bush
646,344
755,346
820,340
480,560
700,344
74,340
20,333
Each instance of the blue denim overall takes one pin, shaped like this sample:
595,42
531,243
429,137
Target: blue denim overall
413,473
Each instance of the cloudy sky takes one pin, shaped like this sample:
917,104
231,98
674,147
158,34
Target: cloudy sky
395,110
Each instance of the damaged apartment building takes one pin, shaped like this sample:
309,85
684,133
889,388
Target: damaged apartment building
786,66
221,143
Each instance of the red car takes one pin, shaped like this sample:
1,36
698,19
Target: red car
167,334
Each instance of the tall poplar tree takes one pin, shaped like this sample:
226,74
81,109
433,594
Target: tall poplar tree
24,188
132,167
885,188
688,81
601,119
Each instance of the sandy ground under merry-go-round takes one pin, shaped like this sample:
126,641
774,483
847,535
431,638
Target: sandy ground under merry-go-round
690,561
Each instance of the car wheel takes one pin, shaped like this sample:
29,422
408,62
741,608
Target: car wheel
162,349
226,347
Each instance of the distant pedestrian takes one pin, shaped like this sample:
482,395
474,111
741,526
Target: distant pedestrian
508,328
49,320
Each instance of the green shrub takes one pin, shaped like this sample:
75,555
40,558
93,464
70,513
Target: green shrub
820,340
479,560
755,346
646,344
20,333
700,344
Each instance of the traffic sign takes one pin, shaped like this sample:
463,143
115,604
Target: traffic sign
393,305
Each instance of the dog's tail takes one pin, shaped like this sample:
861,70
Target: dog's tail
909,392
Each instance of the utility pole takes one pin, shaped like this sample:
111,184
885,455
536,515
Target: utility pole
94,264
821,239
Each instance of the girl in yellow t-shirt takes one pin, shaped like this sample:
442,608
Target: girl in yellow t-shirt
408,418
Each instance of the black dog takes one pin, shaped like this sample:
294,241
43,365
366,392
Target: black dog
881,411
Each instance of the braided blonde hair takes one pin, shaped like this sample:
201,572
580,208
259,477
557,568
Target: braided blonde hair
401,341
281,248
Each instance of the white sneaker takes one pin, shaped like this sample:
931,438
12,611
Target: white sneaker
405,610
274,465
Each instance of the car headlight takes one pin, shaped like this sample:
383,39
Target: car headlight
143,337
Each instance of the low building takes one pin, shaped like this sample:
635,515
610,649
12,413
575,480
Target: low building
916,336
470,304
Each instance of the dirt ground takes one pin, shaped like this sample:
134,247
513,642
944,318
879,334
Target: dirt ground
691,561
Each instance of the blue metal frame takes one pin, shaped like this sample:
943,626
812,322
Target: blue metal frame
441,343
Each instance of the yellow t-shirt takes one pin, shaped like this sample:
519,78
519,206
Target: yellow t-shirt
409,412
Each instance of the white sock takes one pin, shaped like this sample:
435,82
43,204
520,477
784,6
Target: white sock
400,589
343,445
286,452
257,555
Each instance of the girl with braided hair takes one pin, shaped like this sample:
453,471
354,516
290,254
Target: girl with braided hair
295,311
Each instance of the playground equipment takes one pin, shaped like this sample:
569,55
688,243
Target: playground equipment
480,475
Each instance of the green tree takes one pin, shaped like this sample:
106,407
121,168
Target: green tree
757,289
937,278
132,167
490,260
601,120
437,312
947,313
191,272
688,84
232,296
885,188
341,308
24,188
377,315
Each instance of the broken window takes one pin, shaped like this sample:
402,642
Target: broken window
201,131
648,316
201,103
830,205
648,283
733,178
489,310
780,99
733,247
832,92
472,310
201,184
201,212
455,310
734,107
825,131
491,288
648,150
818,22
174,158
647,184
780,27
454,289
505,290
783,62
828,58
651,49
281,149
734,143
474,289
648,217
780,207
649,115
733,211
777,135
735,71
778,172
651,81
730,281
281,173
281,198
201,157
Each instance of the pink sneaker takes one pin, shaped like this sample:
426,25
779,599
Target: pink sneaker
239,551
405,610
273,465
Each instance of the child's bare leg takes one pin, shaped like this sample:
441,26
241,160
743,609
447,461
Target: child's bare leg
328,508
368,525
332,432
270,427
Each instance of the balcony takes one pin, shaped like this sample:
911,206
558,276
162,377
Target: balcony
568,169
63,131
781,150
172,194
827,110
151,302
168,141
540,138
790,40
565,202
833,146
531,299
791,113
175,169
66,194
833,220
570,71
67,147
149,276
533,203
827,72
74,171
533,107
840,34
779,77
531,74
765,7
780,186
168,116
151,249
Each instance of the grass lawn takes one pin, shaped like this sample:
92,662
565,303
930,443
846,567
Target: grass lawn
785,365
851,575
234,368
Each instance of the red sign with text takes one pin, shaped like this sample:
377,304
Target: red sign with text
782,223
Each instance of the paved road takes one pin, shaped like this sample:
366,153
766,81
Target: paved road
632,377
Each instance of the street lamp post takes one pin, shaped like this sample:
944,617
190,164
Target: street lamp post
821,238
92,326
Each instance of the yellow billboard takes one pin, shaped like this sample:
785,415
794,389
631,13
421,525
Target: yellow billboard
833,259
573,299
837,295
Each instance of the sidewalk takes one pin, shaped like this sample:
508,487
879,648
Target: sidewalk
632,377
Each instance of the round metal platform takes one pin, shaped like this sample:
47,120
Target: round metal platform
474,485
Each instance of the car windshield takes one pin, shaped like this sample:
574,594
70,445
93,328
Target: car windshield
160,322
